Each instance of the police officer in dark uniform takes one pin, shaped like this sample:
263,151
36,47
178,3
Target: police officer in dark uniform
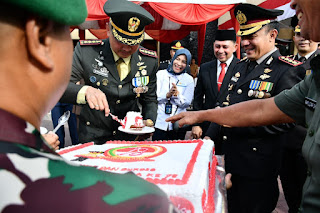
119,74
252,154
298,104
175,45
293,171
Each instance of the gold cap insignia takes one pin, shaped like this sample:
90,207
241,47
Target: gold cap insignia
133,24
241,17
178,44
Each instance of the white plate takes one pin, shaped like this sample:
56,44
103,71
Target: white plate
145,130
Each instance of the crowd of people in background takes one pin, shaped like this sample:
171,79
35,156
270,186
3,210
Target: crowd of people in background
261,111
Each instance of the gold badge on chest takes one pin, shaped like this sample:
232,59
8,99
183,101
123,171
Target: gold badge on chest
264,76
141,79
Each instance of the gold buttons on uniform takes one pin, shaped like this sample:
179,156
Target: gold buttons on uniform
118,102
224,138
239,91
120,86
88,123
254,149
114,132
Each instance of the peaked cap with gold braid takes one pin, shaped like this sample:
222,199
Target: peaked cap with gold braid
127,21
252,18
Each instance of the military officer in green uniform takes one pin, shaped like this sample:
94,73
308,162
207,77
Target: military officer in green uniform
294,168
298,104
119,74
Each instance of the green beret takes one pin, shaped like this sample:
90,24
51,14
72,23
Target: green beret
68,12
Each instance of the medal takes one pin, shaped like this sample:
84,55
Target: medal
261,94
254,84
265,86
105,82
145,80
136,82
144,72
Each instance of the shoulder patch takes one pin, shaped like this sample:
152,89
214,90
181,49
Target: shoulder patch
90,42
244,59
290,61
147,52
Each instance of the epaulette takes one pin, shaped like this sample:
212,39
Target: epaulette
290,61
147,52
244,59
91,42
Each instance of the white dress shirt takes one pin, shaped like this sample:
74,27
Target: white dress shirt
228,62
185,86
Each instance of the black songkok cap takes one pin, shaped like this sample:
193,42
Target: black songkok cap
224,35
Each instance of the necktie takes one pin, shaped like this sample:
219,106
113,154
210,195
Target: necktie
122,69
251,66
222,74
302,59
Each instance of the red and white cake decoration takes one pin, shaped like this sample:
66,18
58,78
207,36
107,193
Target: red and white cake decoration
185,170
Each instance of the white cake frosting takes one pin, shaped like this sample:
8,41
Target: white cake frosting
133,119
183,169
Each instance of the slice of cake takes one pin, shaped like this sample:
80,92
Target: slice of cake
185,170
133,120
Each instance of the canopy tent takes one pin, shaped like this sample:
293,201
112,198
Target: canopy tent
175,20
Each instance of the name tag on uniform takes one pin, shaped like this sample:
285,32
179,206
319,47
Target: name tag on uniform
310,104
180,84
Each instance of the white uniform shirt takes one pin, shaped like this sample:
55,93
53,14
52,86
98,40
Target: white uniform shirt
185,87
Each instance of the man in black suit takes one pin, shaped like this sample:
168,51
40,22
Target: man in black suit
209,92
293,171
119,74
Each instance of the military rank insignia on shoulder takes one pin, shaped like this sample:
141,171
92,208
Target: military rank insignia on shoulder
290,61
147,52
244,59
91,42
